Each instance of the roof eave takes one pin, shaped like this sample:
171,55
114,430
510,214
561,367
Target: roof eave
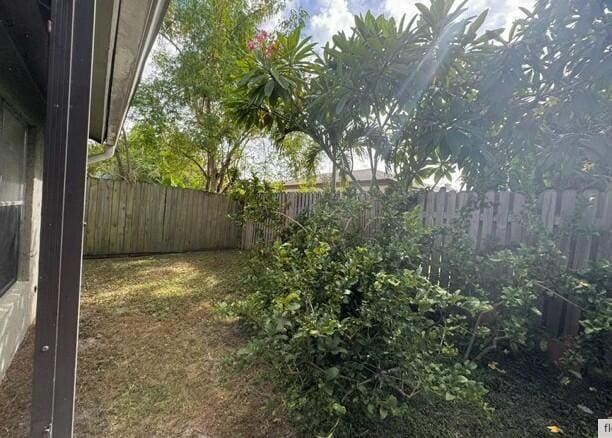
126,32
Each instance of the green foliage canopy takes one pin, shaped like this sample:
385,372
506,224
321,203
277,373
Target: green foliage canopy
544,101
390,91
526,109
180,107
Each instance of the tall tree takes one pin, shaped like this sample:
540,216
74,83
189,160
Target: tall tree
180,107
545,100
391,91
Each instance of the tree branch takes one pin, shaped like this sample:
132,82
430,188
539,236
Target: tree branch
190,158
167,38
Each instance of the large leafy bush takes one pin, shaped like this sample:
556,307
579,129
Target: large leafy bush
353,331
519,283
351,328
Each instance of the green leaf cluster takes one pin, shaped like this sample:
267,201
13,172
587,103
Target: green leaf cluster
348,332
521,283
544,99
391,92
180,105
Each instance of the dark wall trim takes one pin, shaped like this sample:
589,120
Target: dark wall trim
17,87
64,173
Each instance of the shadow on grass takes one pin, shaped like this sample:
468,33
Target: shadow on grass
151,355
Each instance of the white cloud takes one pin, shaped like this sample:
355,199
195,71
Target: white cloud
332,16
501,13
399,8
327,17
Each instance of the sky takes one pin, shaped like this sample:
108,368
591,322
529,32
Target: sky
326,17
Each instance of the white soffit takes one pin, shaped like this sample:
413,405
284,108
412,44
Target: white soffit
125,32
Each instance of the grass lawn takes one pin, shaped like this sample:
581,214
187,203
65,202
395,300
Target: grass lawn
151,355
151,365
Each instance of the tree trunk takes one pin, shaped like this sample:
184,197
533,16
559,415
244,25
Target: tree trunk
373,168
333,177
120,165
211,167
334,168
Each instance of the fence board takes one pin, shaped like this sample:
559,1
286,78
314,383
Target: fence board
143,213
475,219
502,219
204,225
114,216
90,211
486,228
139,218
121,215
566,216
583,240
516,229
99,225
604,250
548,200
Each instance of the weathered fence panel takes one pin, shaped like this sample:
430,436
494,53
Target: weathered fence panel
291,205
140,218
497,221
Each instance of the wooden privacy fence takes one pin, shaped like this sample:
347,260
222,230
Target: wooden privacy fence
139,218
291,204
496,222
581,222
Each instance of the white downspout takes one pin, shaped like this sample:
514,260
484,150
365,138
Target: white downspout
109,151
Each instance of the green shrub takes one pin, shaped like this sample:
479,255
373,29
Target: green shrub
590,350
517,282
259,201
353,331
348,331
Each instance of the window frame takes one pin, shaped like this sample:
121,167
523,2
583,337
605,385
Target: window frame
5,108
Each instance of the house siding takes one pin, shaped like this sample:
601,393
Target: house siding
18,303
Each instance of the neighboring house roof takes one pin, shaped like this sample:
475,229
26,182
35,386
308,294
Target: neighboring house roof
363,176
125,31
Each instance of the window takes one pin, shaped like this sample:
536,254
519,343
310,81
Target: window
12,182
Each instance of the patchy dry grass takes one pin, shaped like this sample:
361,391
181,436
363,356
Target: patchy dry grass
151,355
151,365
15,392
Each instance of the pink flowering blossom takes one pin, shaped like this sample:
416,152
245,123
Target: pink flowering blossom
261,37
261,42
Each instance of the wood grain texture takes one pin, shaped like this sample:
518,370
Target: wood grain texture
139,218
